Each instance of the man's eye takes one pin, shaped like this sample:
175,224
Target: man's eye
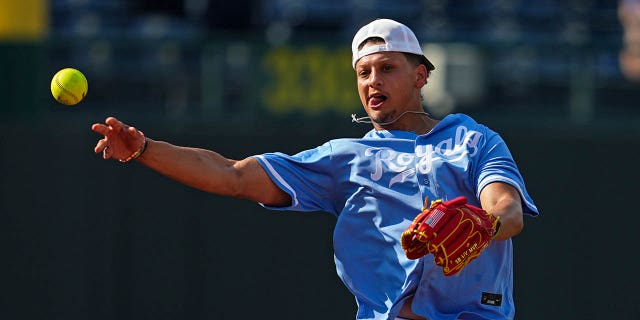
387,67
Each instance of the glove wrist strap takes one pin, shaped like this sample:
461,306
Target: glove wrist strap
498,224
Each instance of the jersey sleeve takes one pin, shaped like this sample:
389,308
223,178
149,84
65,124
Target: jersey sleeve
496,164
306,176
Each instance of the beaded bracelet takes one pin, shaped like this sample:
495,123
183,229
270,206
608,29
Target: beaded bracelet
138,153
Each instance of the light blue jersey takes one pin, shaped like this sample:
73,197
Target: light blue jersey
376,186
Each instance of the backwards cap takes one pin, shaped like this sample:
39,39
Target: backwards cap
397,37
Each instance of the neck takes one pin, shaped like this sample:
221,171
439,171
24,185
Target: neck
418,122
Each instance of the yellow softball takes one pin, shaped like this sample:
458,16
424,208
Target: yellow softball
69,86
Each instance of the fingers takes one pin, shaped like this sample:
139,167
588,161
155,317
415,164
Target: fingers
107,129
100,128
112,126
110,123
100,146
132,131
106,153
115,123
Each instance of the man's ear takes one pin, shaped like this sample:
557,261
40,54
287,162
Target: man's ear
421,76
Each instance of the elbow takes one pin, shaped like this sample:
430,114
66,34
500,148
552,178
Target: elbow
518,226
513,226
225,181
235,187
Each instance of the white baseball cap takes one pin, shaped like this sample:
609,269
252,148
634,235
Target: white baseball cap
397,37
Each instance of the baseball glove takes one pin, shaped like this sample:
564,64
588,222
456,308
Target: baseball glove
453,231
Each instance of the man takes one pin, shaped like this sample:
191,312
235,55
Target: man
375,186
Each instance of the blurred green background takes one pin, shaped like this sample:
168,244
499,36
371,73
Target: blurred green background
81,238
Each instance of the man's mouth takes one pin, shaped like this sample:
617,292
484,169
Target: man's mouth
377,100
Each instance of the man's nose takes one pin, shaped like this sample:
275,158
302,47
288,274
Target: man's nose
376,78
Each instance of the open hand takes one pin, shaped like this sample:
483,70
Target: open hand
120,140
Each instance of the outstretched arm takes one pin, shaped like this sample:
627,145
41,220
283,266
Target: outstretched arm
198,168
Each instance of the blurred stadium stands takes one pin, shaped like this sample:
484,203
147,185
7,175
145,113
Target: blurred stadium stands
180,58
237,76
